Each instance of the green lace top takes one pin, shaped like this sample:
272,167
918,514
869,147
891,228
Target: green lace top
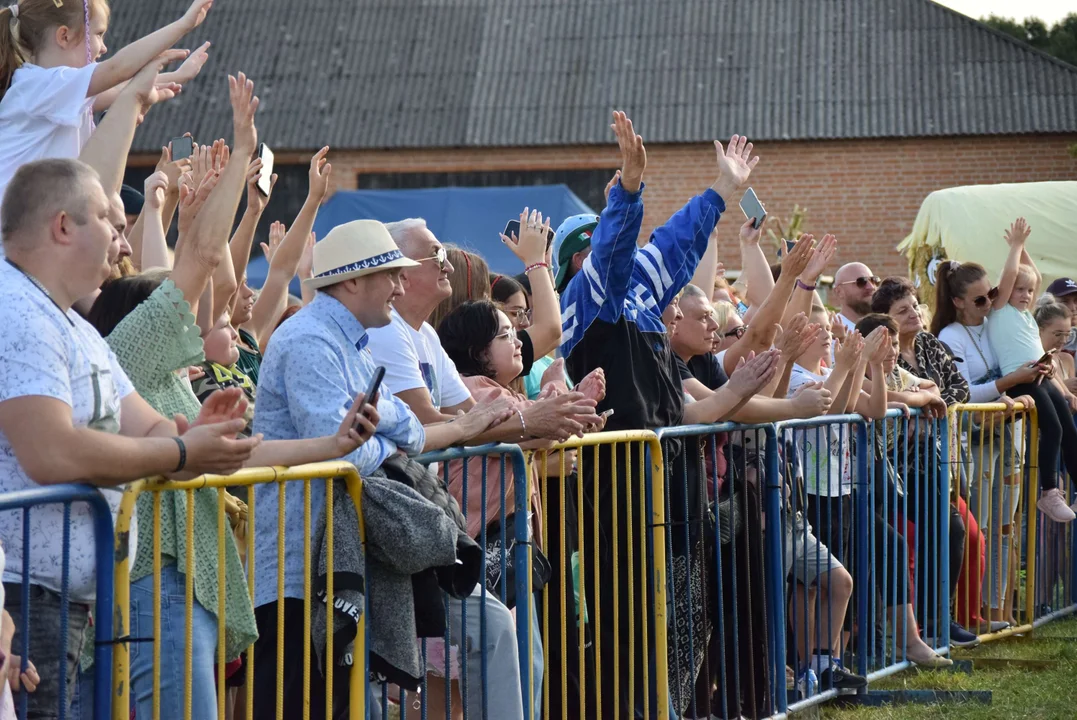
155,340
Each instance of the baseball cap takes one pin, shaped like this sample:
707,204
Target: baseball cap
1062,286
573,235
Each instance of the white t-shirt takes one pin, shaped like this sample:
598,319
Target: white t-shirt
974,357
44,114
828,474
415,359
1015,337
48,353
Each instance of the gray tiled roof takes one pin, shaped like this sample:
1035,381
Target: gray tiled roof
449,73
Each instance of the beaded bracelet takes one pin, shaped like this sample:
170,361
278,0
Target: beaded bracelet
529,268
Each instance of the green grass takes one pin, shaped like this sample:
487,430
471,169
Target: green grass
1048,693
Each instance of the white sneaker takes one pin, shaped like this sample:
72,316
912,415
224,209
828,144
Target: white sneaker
1053,505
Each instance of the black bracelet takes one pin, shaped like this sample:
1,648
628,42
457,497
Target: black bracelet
183,455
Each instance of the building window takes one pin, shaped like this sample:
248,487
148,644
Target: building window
588,185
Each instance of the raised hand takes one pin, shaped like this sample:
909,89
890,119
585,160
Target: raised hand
1018,233
172,170
824,253
794,261
633,154
318,176
277,231
876,346
611,183
753,373
794,340
531,245
193,65
256,201
196,14
155,188
848,353
553,380
193,197
750,235
146,86
811,400
838,329
244,107
735,164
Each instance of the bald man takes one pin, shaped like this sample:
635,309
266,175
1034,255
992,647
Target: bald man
854,284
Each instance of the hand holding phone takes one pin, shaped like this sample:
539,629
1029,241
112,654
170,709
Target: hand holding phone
182,148
752,208
512,228
265,177
370,397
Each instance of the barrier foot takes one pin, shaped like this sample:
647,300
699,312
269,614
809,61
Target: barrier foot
880,698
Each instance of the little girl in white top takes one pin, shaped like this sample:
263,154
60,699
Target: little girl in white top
1015,338
51,82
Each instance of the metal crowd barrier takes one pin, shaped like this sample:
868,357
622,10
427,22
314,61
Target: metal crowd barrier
998,453
905,559
248,478
1053,573
22,609
725,658
475,685
604,610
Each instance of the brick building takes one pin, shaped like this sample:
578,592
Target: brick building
859,108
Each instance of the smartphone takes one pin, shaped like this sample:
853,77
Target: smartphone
265,178
513,226
1046,359
606,413
182,148
371,395
752,208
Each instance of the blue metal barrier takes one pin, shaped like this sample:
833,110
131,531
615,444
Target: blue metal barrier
467,473
725,659
101,515
1055,559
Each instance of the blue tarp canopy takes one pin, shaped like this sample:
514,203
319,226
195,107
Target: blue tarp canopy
469,217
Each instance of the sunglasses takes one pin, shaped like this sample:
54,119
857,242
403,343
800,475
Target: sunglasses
982,300
738,332
862,282
440,256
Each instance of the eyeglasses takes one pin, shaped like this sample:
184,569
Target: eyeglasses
520,316
737,331
509,335
862,282
982,300
440,256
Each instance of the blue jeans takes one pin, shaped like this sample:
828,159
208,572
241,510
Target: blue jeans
173,650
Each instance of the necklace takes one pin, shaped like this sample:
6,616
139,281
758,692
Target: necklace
979,336
45,291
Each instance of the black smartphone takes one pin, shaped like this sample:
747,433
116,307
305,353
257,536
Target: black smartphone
752,208
182,148
265,177
371,395
513,226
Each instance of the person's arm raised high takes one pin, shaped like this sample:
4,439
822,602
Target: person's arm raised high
530,247
1015,238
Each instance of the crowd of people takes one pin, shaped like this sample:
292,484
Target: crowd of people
122,360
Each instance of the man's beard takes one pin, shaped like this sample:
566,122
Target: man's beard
860,307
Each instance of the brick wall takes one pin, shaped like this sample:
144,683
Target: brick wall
867,192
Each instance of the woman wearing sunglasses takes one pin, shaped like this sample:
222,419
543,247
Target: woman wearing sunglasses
963,297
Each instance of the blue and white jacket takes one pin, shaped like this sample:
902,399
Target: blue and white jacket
611,310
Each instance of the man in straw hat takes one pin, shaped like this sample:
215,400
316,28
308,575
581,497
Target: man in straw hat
317,363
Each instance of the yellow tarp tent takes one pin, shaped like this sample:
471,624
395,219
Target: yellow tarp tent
968,223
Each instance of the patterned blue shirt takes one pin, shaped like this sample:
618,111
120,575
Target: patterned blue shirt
311,373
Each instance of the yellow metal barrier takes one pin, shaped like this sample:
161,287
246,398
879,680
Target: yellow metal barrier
606,572
990,457
324,472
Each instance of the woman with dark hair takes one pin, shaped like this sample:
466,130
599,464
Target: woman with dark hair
963,298
923,355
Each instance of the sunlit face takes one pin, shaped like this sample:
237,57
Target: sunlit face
821,348
503,353
75,49
119,222
671,316
975,304
890,362
220,342
694,334
733,331
516,308
1056,333
1024,292
244,305
432,276
906,312
854,286
375,294
91,237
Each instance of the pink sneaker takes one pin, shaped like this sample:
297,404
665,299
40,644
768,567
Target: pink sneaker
1053,505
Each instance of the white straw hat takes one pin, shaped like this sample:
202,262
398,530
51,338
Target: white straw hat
352,250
